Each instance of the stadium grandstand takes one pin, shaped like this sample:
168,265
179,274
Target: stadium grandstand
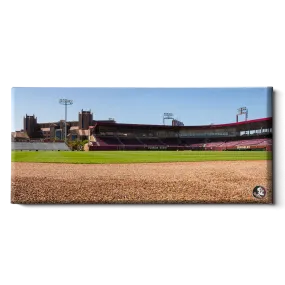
110,135
245,135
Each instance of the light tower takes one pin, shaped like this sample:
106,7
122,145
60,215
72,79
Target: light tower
65,102
167,116
242,111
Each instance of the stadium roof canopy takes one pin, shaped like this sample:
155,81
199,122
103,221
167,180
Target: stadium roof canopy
244,125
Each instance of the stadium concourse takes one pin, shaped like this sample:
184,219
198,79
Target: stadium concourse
108,135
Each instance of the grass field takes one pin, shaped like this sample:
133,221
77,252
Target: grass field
103,157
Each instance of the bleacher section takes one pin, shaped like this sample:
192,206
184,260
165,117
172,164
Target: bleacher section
256,143
267,142
251,142
215,144
53,146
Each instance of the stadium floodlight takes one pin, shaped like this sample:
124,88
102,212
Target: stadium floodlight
65,102
241,111
167,116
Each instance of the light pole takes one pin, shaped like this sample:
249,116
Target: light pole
65,102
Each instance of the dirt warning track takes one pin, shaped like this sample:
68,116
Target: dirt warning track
185,182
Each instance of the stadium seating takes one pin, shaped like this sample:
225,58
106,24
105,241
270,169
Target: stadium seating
232,144
152,141
252,142
56,146
174,143
214,144
130,141
198,145
105,141
171,141
267,142
191,141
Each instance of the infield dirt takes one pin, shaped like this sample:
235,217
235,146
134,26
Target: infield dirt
185,182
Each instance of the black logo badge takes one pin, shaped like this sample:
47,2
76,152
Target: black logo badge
259,192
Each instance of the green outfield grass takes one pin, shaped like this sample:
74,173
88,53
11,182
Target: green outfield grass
136,156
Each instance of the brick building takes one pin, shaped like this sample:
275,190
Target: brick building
55,130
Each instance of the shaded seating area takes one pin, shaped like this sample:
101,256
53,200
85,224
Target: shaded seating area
151,141
105,141
130,141
171,141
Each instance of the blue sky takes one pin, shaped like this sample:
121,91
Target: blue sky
192,106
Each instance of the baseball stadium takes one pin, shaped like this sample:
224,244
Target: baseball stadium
102,161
